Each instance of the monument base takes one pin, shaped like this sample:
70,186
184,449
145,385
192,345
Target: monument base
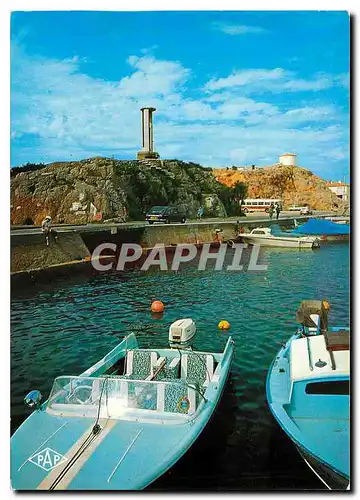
148,155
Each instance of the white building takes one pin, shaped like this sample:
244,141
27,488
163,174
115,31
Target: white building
341,190
288,159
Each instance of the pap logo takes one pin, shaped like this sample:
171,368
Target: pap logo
47,459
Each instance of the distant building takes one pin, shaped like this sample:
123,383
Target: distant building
341,190
247,168
288,159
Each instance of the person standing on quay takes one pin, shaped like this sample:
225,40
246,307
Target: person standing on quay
47,230
271,211
277,210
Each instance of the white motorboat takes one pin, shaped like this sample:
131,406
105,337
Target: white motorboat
264,237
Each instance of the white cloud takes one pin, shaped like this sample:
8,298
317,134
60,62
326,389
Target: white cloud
152,77
70,115
238,29
245,77
273,80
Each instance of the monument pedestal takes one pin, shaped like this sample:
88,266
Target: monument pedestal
147,155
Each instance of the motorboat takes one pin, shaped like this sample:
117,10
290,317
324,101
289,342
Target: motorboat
263,236
124,421
339,219
308,393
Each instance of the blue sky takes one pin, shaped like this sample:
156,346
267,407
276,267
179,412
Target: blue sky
230,88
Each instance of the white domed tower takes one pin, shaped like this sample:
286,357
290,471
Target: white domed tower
288,159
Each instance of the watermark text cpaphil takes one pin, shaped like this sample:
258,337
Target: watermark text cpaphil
238,257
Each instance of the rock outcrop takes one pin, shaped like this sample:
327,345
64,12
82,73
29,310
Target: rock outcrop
98,189
294,185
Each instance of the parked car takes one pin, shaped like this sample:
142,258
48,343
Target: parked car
306,210
295,208
165,215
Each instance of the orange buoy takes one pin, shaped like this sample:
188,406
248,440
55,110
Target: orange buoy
157,306
224,325
326,305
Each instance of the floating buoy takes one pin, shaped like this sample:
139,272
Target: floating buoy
157,306
326,305
224,325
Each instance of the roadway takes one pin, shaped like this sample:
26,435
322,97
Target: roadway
250,217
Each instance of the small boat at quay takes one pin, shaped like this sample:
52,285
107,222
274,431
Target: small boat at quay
339,219
123,422
324,230
308,393
263,236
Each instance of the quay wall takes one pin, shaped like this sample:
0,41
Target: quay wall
29,252
148,236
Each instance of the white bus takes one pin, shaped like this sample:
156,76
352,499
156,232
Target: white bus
259,204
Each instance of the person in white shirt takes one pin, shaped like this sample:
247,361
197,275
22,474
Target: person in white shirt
47,230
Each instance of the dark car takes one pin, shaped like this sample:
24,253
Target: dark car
166,215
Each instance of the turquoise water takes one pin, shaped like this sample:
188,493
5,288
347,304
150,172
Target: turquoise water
64,328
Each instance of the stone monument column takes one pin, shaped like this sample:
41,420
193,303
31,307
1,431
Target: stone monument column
147,134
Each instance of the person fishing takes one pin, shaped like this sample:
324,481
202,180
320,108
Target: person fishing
47,230
277,210
271,211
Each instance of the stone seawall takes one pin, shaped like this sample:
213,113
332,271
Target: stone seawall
194,233
203,232
29,252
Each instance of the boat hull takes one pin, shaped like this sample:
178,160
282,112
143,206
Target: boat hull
278,390
333,237
279,242
332,479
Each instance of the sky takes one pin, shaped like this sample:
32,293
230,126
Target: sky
229,88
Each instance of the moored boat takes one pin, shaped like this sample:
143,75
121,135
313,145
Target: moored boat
123,422
325,230
308,393
263,236
338,219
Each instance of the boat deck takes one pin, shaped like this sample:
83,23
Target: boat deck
121,448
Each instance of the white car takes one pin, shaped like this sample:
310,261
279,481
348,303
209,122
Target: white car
295,208
305,211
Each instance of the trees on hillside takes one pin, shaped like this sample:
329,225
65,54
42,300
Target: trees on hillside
233,197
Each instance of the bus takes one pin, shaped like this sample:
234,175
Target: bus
259,204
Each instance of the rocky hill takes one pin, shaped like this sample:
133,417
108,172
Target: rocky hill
295,185
104,188
99,189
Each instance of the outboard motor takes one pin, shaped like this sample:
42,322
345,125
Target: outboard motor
181,333
312,314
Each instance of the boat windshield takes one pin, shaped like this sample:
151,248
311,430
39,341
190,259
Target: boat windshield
118,397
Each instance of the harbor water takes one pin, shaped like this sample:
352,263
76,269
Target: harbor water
64,328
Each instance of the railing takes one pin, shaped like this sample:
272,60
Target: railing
309,353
